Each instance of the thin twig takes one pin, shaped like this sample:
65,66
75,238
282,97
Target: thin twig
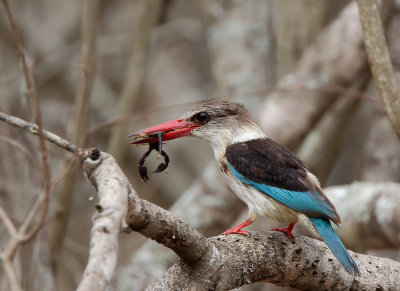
8,223
49,136
11,274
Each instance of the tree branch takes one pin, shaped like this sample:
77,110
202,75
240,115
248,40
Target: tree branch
49,136
111,185
379,60
165,228
307,264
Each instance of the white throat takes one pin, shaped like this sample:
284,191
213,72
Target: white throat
241,134
245,134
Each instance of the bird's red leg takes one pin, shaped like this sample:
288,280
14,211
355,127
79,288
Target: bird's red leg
238,229
287,230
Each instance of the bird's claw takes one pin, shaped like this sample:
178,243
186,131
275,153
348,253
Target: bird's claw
287,230
236,231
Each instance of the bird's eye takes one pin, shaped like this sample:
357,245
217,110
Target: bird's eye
201,118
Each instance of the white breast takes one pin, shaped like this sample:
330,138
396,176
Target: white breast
260,203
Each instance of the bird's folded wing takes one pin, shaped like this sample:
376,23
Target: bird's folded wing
277,172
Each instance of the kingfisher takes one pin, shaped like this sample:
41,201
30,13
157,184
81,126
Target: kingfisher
265,175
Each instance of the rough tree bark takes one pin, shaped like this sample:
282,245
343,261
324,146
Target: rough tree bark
110,214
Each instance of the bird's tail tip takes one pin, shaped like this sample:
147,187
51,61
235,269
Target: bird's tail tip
334,243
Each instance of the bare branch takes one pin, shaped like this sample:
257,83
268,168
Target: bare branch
49,136
305,263
8,223
112,189
379,59
152,221
166,228
208,207
11,274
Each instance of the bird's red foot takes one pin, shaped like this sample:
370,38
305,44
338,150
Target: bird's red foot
238,229
287,230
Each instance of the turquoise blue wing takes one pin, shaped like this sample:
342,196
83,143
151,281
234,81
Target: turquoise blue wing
310,203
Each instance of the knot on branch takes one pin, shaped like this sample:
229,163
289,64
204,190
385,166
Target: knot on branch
92,157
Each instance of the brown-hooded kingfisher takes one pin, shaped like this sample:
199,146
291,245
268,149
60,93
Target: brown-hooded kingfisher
268,177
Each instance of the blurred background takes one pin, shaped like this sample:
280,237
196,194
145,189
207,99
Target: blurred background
298,66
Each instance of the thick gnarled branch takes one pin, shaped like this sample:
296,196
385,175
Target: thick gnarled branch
306,264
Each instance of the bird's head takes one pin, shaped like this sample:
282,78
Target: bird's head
220,123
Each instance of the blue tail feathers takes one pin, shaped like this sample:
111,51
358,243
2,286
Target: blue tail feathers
327,233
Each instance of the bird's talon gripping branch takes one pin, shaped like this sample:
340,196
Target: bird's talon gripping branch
287,230
238,229
242,232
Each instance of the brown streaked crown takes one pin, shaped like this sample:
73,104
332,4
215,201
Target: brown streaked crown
218,109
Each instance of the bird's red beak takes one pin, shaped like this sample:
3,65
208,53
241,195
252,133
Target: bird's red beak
169,130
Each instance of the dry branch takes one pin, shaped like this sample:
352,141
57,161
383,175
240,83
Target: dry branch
111,186
210,207
32,128
305,264
379,60
152,221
